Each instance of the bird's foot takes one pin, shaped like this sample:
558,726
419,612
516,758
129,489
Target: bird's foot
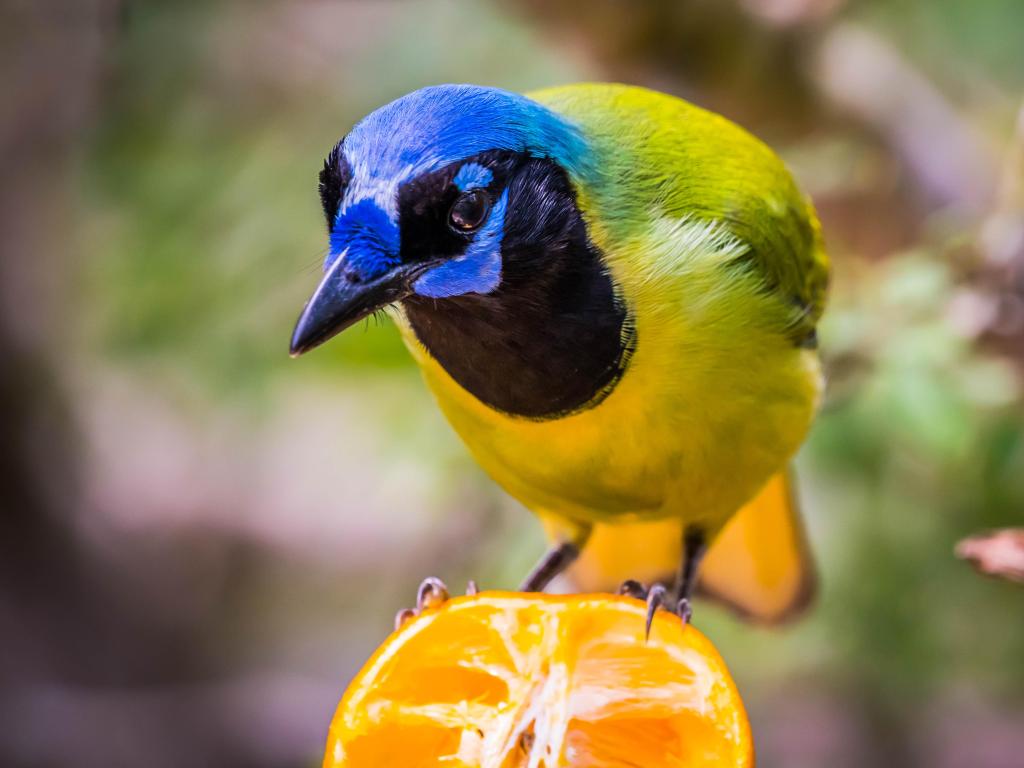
657,597
632,588
432,593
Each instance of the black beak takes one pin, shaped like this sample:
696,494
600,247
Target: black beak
341,300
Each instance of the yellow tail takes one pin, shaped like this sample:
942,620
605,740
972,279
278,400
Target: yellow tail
759,565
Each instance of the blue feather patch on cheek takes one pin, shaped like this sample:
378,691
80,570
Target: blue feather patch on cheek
369,239
478,270
472,176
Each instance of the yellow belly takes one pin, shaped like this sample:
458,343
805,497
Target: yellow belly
714,400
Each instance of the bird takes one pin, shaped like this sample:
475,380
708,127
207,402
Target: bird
613,295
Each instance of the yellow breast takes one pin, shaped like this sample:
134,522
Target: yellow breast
714,399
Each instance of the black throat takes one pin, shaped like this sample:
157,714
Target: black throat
555,337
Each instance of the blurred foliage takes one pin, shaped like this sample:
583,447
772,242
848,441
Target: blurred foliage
266,517
962,45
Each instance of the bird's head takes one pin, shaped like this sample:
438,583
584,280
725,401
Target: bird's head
427,196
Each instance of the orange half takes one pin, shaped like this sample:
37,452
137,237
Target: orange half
499,680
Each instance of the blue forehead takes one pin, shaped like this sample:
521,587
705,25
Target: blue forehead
439,125
422,132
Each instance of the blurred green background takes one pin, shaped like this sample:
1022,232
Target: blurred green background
201,540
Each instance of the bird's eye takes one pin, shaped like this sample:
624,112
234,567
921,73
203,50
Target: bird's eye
469,211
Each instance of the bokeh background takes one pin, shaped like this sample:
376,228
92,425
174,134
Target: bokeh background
201,540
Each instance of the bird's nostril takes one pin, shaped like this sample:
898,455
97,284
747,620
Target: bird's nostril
353,277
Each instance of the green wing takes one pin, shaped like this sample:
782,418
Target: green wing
659,155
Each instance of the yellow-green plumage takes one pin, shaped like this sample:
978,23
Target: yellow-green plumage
718,259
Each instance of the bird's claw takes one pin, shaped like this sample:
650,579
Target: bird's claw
655,600
403,616
684,610
432,593
657,597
